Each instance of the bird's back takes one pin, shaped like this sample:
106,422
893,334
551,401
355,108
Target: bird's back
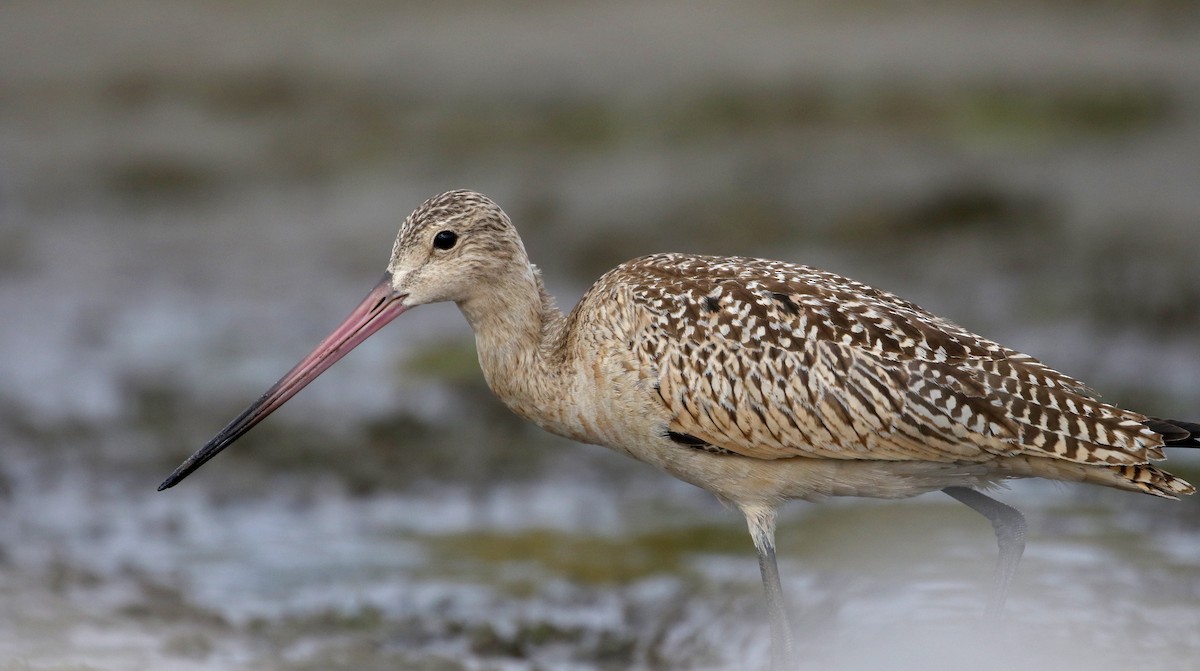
772,360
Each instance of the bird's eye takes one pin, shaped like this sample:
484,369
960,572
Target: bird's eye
445,239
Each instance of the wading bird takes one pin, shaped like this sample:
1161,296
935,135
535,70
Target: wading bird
759,381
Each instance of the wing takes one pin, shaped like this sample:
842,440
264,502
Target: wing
772,360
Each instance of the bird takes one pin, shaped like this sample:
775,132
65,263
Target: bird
759,381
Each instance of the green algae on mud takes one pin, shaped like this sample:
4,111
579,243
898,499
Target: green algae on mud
589,558
449,361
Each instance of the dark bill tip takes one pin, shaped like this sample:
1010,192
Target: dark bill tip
380,306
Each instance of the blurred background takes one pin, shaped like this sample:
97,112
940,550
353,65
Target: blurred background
193,194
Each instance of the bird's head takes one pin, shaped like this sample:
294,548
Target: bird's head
455,247
452,247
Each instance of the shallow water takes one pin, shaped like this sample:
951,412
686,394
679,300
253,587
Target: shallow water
190,197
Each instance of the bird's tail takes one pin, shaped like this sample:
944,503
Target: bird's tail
1174,432
1154,480
1144,477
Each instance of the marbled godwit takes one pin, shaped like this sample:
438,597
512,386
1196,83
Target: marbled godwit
759,381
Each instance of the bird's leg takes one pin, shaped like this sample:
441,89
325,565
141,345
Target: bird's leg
1009,525
761,520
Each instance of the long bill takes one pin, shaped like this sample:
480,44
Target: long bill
380,306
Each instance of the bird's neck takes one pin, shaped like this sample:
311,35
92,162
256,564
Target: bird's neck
518,332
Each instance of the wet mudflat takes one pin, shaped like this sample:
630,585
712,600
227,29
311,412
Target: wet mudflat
191,197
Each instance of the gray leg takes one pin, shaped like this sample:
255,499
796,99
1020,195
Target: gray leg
1009,525
761,521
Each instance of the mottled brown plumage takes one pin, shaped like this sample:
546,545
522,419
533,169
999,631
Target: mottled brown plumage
772,360
757,380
